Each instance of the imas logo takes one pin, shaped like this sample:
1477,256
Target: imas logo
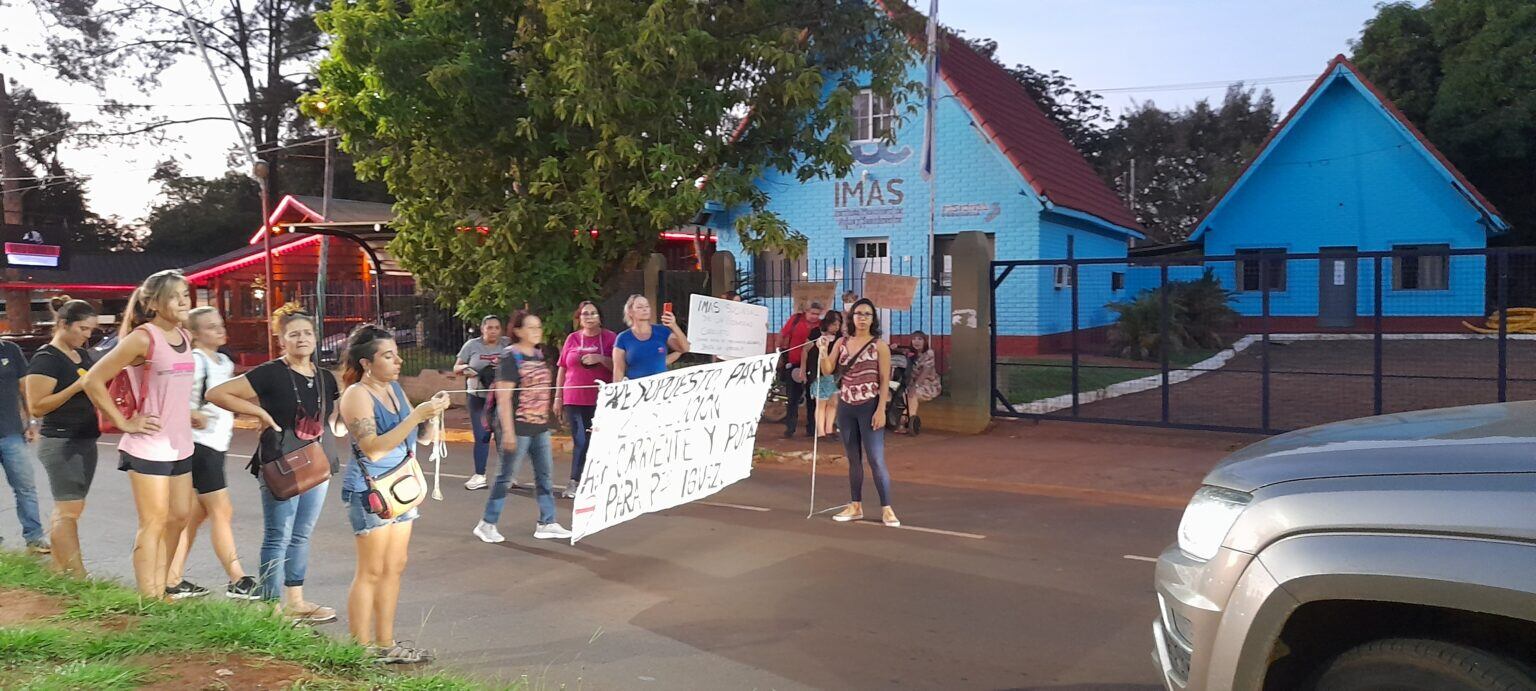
878,153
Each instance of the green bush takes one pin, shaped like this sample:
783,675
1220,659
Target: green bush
1198,314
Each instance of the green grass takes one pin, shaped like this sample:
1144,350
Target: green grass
1031,379
66,652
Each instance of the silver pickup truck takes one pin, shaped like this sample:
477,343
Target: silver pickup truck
1393,552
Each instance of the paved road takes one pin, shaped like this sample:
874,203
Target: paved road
744,593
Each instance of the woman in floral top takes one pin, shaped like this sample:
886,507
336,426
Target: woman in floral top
862,363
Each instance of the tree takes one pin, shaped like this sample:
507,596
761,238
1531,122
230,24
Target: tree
202,216
1461,70
52,193
1079,113
536,147
1184,159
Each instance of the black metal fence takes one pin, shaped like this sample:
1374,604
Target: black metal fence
1262,341
429,335
776,284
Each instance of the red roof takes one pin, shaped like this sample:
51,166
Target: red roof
1034,144
1391,108
1011,118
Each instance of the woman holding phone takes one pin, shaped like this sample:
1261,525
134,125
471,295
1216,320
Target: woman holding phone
644,348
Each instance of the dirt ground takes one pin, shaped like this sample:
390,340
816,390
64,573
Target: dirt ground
25,606
1314,382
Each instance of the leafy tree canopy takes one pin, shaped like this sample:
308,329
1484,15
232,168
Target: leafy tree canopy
539,120
1463,72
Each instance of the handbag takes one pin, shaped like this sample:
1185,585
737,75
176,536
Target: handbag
120,389
396,490
297,472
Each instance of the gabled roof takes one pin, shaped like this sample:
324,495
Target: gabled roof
1341,67
301,208
1004,110
117,271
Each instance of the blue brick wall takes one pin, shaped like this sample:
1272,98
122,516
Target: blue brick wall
977,189
1346,174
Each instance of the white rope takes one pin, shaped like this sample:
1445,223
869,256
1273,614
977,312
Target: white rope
439,452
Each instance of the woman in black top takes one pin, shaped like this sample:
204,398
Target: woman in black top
297,401
68,447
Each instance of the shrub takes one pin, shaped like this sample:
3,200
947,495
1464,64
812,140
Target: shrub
1198,313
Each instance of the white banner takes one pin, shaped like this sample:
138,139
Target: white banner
666,440
726,328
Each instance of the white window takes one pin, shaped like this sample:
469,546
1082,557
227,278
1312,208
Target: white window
1421,267
1063,276
872,119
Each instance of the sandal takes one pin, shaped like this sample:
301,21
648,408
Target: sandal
400,654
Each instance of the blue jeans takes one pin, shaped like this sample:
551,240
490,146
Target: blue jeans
482,432
537,447
854,422
580,417
16,459
285,542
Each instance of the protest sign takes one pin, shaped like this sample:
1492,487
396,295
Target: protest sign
890,292
726,328
804,293
669,439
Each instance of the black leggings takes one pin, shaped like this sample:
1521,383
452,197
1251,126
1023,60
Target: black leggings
854,423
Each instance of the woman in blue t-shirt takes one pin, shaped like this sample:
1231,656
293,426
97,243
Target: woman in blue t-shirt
644,348
384,427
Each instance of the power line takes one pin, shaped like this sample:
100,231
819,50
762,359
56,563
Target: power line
1216,84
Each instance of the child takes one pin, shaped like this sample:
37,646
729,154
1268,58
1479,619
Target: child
824,386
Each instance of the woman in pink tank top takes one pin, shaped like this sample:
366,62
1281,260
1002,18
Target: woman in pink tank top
156,446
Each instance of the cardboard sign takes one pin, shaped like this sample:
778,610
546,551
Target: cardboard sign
804,293
890,292
726,328
669,439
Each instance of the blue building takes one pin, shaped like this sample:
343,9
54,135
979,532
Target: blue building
1345,172
1001,167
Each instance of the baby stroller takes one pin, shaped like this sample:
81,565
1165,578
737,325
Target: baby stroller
896,415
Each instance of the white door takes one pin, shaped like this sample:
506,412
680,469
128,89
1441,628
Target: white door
869,255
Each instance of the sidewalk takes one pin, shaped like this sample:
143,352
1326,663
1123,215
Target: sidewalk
1108,464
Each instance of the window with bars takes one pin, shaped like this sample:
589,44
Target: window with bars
872,117
942,268
1428,267
1249,269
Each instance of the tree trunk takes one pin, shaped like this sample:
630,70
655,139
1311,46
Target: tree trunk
10,164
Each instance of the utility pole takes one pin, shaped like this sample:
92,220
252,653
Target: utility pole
323,275
18,303
1133,186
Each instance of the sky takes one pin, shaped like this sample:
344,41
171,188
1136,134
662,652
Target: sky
1171,52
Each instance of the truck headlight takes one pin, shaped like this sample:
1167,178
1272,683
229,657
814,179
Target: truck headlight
1207,519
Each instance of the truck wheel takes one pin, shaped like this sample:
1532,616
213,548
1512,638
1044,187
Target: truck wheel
1409,664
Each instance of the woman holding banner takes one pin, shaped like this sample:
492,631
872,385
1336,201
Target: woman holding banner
586,359
861,365
524,400
644,348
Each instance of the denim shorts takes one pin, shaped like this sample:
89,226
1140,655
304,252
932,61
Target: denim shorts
364,522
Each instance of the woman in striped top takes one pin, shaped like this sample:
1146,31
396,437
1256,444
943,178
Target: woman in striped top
862,363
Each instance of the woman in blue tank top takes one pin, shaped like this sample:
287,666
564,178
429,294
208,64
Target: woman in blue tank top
384,429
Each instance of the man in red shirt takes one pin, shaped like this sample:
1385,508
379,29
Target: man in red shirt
797,382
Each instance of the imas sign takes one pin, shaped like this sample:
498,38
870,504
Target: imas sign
868,202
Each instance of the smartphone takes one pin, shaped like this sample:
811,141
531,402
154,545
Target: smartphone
666,307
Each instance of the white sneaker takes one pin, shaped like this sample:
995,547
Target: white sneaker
570,490
475,482
487,532
551,531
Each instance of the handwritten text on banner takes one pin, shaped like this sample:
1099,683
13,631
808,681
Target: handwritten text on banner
726,328
669,439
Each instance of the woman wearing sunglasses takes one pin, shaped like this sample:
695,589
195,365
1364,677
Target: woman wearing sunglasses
295,402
